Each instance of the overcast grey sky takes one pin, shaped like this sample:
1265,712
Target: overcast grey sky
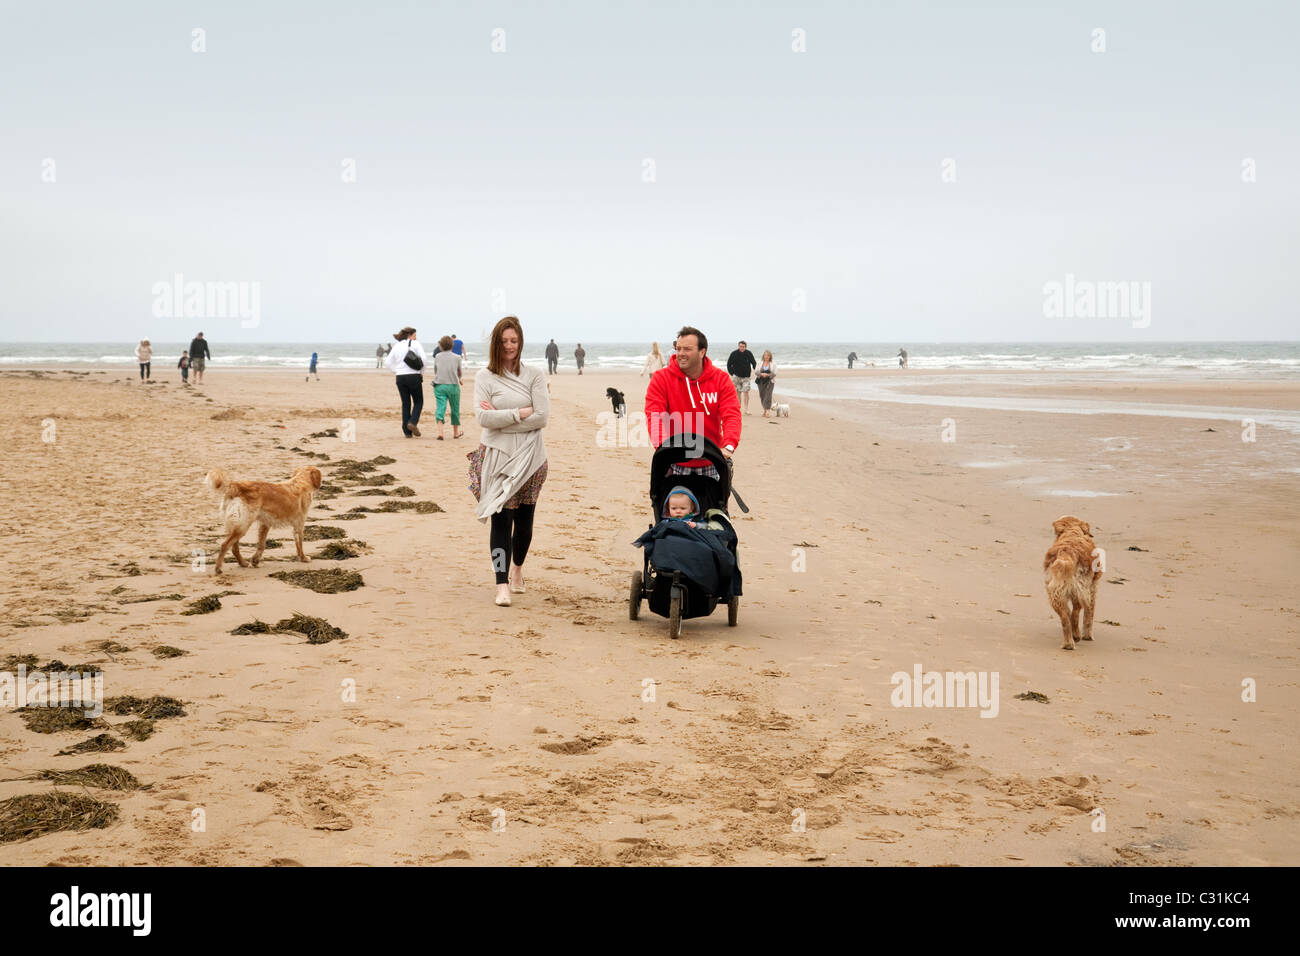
774,171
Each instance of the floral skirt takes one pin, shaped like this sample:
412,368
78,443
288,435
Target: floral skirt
527,494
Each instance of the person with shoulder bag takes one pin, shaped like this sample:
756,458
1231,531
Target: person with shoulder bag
406,361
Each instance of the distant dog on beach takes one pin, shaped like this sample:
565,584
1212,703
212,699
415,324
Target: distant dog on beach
782,411
1071,571
245,503
616,399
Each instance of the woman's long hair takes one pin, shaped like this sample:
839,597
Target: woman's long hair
767,355
496,349
654,350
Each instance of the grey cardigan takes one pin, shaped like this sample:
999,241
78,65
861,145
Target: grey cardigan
514,446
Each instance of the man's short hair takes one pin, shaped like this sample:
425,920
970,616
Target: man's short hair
700,338
743,342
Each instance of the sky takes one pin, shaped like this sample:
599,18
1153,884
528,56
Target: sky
611,171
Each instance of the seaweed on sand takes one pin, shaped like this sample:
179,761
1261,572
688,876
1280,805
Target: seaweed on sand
318,630
204,605
151,708
101,775
340,550
100,743
331,581
31,815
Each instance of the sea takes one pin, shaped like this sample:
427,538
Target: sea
1229,359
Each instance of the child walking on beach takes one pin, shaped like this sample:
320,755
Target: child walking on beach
311,369
184,366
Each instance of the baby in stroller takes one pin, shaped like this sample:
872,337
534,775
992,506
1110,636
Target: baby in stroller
682,506
689,562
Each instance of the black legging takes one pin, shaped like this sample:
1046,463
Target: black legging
512,533
144,369
409,387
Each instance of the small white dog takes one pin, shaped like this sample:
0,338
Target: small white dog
782,411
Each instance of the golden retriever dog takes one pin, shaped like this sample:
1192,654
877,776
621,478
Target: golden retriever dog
1071,572
245,503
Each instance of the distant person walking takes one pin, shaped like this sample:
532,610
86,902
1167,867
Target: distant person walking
311,369
853,357
446,386
552,358
406,361
458,346
199,355
144,355
379,357
740,366
763,378
902,358
654,361
507,470
184,366
580,354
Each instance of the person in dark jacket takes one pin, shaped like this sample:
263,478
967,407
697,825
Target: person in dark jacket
552,358
740,366
580,354
199,356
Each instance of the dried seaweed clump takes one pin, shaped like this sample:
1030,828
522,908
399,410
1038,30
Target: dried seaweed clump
388,507
340,550
322,532
101,775
166,650
31,815
253,627
100,743
318,630
204,605
137,729
54,720
152,708
331,581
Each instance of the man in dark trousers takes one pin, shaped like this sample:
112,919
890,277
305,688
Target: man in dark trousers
552,358
580,355
199,356
740,366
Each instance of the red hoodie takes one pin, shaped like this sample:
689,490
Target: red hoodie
703,406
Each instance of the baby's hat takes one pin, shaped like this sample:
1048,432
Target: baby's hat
682,490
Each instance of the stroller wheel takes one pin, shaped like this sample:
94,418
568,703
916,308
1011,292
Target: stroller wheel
675,610
634,597
733,611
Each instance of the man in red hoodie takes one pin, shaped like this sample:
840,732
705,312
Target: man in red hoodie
693,395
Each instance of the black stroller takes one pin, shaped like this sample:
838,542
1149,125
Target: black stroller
688,571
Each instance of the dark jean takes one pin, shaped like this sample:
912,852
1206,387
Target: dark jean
411,388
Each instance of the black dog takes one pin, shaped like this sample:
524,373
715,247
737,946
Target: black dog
616,399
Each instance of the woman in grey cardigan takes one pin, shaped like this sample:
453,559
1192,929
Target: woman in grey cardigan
508,469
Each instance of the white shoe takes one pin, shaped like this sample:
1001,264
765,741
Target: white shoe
503,600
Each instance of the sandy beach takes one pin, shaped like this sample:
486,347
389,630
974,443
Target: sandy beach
886,533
